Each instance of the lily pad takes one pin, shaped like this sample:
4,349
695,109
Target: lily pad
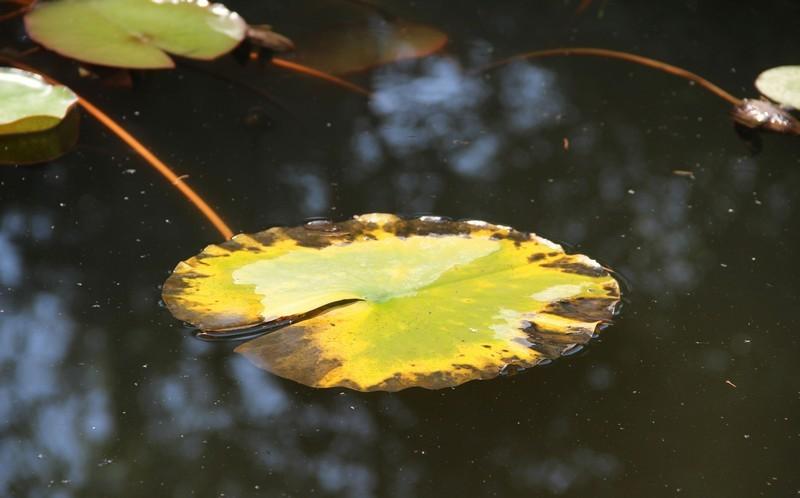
38,121
41,146
356,48
781,84
29,104
135,33
383,303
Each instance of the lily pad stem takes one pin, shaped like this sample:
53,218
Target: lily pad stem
615,54
299,68
140,149
14,13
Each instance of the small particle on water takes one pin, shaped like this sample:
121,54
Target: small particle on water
61,204
730,210
631,191
747,436
723,265
128,171
565,143
730,383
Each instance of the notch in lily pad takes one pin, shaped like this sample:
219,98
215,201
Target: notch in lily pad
137,34
782,85
382,303
38,121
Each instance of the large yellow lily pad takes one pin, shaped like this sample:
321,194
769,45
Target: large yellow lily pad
383,303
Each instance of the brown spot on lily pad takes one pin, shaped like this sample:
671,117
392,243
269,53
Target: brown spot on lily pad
584,309
569,265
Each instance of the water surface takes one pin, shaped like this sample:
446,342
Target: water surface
694,392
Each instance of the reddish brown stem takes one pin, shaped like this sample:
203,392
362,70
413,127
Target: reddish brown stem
615,54
145,153
14,13
310,71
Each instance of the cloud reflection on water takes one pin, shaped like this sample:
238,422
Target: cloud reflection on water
432,131
53,414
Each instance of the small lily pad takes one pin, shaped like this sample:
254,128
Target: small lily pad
135,33
29,104
38,121
360,47
41,146
781,84
384,303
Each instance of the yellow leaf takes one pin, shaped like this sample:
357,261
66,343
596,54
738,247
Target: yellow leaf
383,303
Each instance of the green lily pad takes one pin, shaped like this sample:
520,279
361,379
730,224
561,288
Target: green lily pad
135,33
38,121
41,146
383,303
360,47
29,104
781,84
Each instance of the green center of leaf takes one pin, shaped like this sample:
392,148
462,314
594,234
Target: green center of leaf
375,272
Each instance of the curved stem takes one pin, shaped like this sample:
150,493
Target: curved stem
310,71
140,149
162,168
615,54
238,82
14,13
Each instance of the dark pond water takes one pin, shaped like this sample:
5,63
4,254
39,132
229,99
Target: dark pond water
694,392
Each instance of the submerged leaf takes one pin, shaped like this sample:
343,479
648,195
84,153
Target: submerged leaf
423,302
135,33
29,104
781,84
357,48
